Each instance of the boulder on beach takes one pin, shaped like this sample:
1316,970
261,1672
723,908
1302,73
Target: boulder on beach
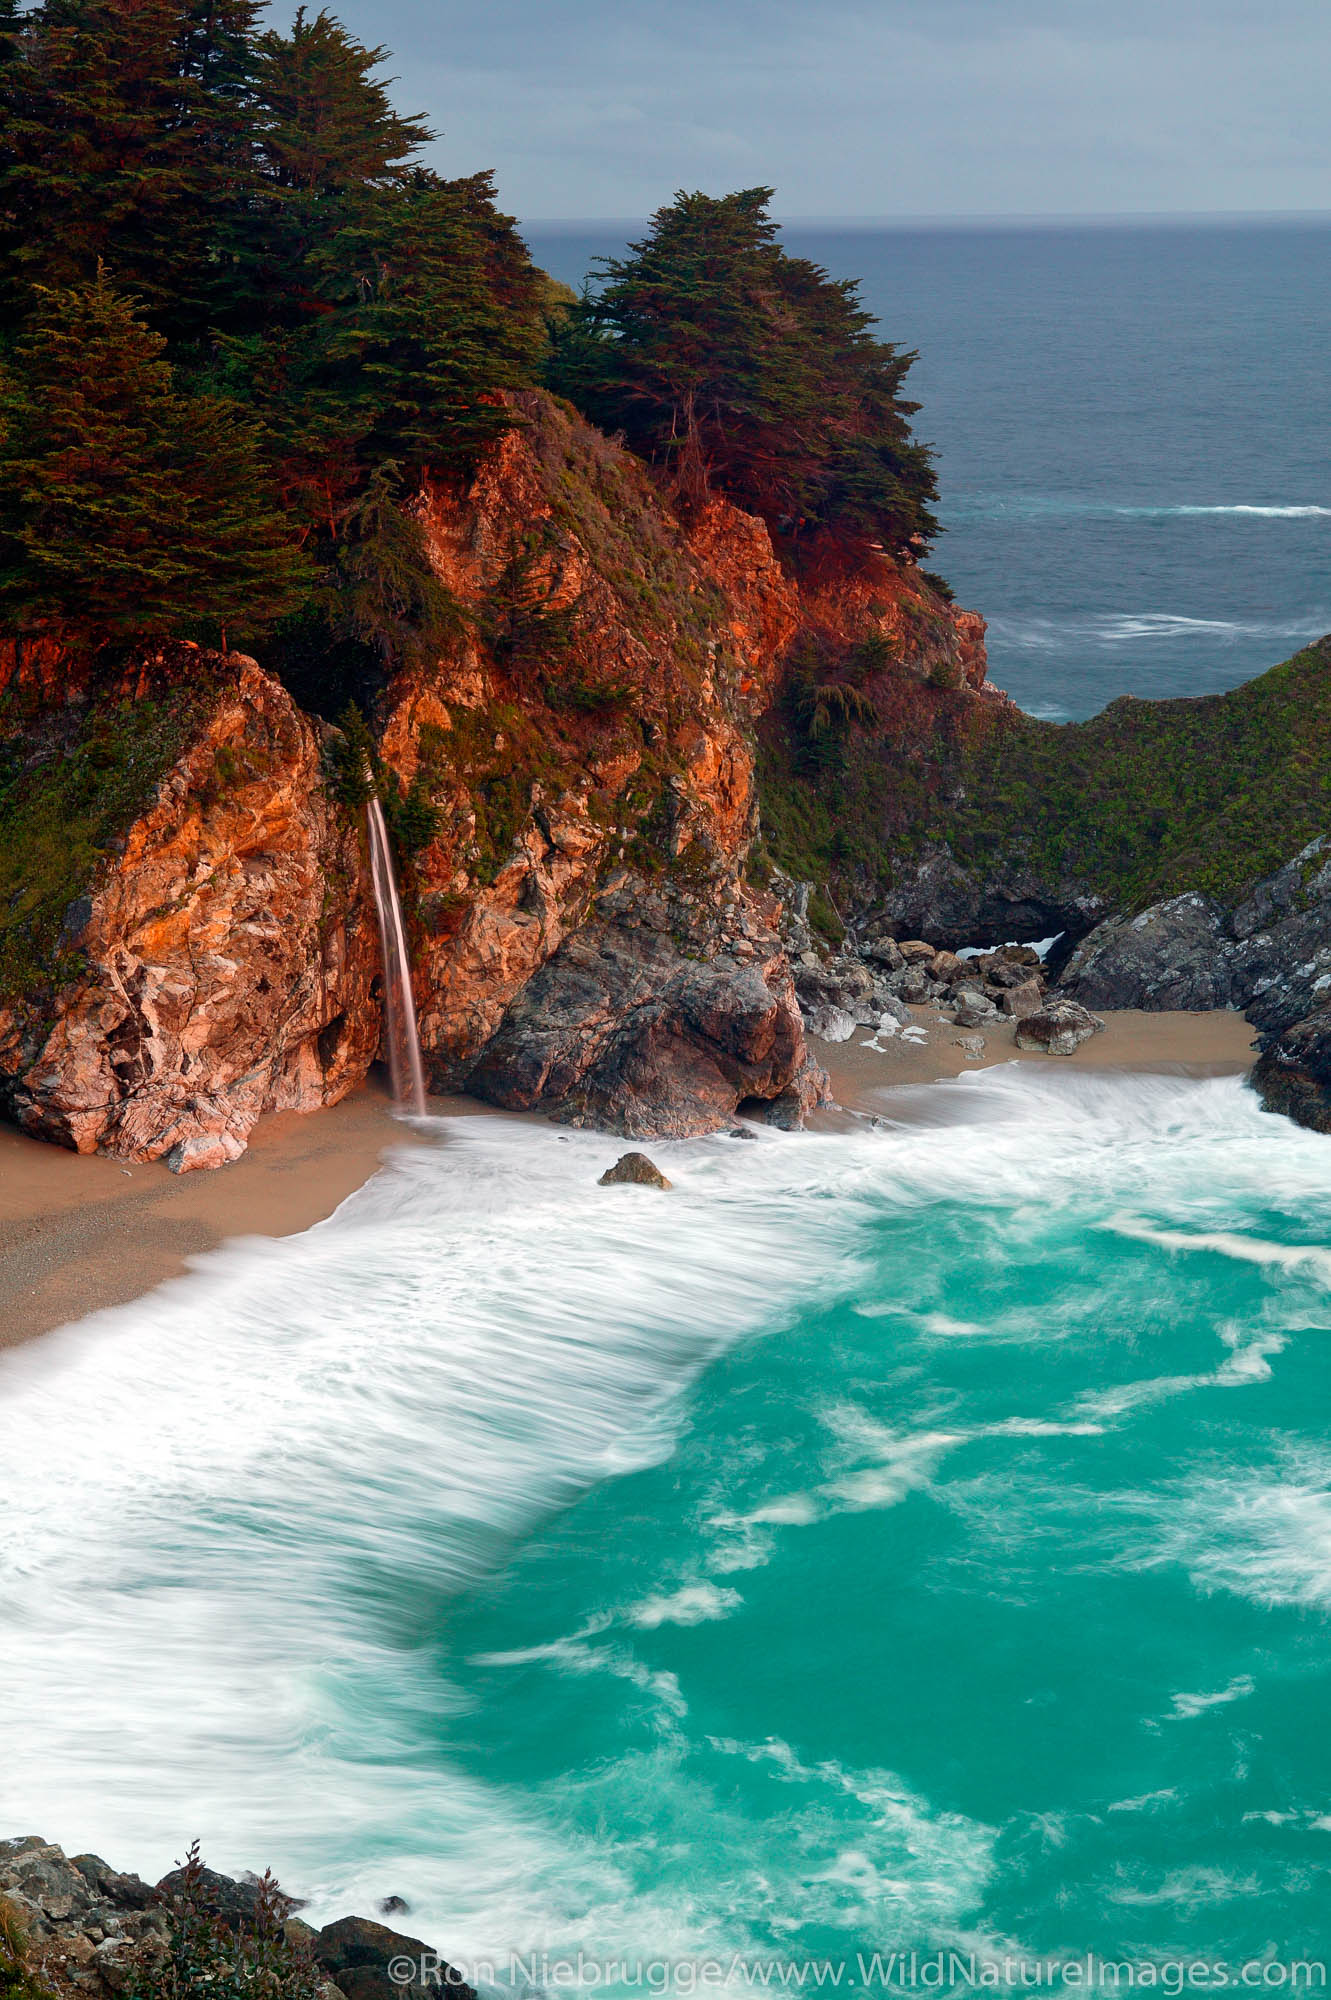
1058,1028
1022,1000
633,1170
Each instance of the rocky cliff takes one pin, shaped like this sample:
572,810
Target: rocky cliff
1178,848
186,933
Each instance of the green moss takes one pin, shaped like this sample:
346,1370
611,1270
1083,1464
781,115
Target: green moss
70,785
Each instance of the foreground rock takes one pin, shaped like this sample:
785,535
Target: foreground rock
634,1170
1057,1028
87,1930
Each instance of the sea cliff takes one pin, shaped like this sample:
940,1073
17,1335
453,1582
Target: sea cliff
188,937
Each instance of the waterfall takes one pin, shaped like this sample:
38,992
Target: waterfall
404,1045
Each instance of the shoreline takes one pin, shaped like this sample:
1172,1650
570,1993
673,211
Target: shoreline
80,1233
1133,1042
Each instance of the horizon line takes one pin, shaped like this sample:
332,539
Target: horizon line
1034,218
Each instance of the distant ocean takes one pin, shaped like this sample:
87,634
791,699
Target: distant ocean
1133,426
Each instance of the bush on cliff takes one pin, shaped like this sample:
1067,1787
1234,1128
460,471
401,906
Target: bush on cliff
207,1958
730,365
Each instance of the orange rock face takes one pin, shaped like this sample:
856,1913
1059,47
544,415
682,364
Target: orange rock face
230,957
583,935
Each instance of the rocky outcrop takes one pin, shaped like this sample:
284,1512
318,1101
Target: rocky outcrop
221,964
1293,1072
579,764
586,941
1177,954
77,1927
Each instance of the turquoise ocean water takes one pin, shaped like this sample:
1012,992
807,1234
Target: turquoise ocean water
907,1539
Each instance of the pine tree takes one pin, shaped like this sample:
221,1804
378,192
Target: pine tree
128,142
731,365
432,304
328,121
128,510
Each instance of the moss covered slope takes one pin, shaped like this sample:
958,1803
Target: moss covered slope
1146,800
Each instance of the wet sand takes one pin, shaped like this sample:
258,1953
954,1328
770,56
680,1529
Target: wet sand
80,1233
1214,1044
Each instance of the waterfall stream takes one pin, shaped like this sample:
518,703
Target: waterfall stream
404,1046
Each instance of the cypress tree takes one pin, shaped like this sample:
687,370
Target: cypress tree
129,510
127,142
328,122
731,365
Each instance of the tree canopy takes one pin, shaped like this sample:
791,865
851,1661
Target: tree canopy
241,321
267,276
731,365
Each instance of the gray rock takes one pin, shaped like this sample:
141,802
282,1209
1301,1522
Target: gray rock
1057,1028
633,1170
830,1024
1293,1072
971,1046
1173,955
883,951
913,985
623,1030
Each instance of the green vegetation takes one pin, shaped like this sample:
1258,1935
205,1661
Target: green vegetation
730,365
16,1980
70,784
205,1959
102,454
1146,800
250,321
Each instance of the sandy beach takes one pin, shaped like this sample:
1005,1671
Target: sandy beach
77,1234
1213,1044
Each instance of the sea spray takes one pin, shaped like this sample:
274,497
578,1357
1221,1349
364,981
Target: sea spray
400,1031
556,1600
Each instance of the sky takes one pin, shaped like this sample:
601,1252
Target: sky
872,108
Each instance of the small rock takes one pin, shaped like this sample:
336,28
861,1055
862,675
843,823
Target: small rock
915,951
971,1046
395,1906
1058,1028
1000,971
633,1170
946,967
740,1132
888,1003
883,951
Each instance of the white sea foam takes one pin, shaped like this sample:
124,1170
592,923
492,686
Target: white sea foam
1125,628
1187,1707
230,1513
